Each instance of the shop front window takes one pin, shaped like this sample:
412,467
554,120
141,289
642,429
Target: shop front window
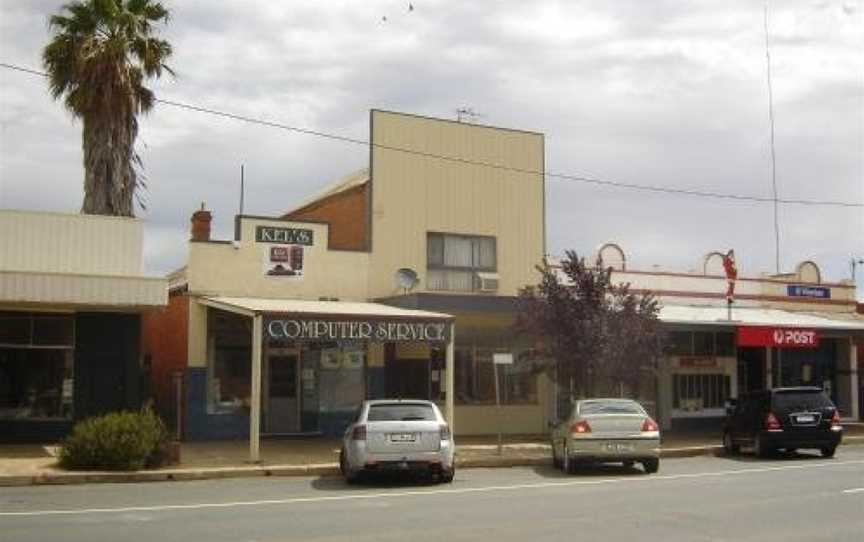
36,366
230,368
475,378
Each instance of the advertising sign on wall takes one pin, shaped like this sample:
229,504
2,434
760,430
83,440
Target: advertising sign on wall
778,337
284,261
377,331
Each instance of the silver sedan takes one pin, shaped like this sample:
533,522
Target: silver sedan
606,431
398,435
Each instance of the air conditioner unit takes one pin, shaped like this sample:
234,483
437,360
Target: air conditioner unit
487,282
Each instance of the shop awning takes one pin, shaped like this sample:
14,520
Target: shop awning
751,316
79,290
251,306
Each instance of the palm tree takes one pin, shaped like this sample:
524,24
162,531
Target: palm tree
99,56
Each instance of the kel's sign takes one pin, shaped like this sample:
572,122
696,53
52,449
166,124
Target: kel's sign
778,337
377,331
799,290
283,236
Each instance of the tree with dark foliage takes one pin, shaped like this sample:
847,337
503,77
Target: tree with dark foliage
595,338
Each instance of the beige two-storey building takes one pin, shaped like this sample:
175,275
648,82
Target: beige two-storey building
397,280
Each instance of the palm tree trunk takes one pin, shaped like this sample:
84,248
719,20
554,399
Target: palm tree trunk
109,175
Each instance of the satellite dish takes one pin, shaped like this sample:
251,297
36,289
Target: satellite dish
406,279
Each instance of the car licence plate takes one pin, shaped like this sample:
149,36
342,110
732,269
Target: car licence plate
402,437
620,447
805,418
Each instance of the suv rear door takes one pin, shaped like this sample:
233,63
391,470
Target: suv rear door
803,411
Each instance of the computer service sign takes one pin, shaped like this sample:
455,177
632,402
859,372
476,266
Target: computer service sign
778,337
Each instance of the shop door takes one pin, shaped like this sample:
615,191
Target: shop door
407,379
751,369
283,404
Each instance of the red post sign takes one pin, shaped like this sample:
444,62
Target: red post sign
779,337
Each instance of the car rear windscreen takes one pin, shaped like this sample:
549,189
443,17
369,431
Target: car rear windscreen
401,412
795,400
609,407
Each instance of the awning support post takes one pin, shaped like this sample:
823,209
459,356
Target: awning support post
450,374
255,407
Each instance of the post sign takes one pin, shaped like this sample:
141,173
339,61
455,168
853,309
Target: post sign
285,236
799,290
778,337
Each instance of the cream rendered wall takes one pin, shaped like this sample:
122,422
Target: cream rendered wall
413,195
218,268
221,269
530,419
70,243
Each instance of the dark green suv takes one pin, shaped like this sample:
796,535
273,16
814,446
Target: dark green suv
783,419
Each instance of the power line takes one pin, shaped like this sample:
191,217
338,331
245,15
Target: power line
563,176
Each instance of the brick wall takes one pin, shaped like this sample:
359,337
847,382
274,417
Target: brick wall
166,334
345,212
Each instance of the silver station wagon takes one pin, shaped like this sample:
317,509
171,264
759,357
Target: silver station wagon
606,431
398,435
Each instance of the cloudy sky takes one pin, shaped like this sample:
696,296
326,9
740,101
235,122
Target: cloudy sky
653,92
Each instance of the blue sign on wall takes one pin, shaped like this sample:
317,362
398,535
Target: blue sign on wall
798,290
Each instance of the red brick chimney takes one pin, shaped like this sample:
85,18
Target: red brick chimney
201,224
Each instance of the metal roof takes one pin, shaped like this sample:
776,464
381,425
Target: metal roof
256,305
750,316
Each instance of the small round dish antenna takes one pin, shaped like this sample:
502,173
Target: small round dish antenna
406,279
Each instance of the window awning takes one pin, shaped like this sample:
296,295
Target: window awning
251,306
751,316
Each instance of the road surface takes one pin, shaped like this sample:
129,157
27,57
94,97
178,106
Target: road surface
705,498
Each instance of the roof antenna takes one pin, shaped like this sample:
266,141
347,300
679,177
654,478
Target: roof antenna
467,114
242,187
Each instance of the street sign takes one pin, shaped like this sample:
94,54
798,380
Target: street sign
799,290
502,359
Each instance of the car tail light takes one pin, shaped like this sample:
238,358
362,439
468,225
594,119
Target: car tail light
580,427
649,425
835,419
772,423
445,431
359,433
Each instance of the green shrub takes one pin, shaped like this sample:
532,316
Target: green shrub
116,441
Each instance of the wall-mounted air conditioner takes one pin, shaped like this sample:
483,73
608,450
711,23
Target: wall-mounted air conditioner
487,282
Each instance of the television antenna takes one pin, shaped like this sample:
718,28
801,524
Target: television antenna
467,114
406,279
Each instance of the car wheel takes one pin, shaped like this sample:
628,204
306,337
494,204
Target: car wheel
350,477
446,477
651,465
628,464
556,461
829,451
729,445
759,447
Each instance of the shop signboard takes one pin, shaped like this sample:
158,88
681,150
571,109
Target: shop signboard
800,290
285,236
778,337
694,362
362,330
284,261
503,358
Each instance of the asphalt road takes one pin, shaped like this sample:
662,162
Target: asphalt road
707,498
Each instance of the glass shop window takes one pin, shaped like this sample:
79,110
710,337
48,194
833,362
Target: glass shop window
36,384
230,361
475,384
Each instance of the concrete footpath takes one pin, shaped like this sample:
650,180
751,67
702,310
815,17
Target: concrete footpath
22,465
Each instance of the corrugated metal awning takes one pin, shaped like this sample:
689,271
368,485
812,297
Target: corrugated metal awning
256,305
749,316
82,290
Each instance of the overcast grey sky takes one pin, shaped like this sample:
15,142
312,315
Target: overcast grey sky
665,93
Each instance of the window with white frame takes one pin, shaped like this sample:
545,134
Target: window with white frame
453,261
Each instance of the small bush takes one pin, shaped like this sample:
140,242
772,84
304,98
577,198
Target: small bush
116,441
